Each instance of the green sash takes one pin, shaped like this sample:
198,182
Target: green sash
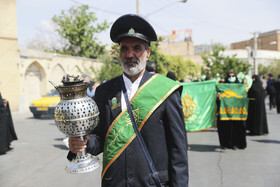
145,101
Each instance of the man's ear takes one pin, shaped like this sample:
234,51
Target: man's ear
148,53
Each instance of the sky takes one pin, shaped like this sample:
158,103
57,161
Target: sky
211,21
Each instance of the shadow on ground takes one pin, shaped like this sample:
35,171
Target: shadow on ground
61,146
43,117
204,148
268,141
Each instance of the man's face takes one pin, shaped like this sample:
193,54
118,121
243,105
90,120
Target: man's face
133,55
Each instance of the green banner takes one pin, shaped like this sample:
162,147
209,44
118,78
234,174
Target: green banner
233,101
199,104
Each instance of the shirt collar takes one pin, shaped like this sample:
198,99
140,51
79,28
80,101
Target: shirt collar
128,84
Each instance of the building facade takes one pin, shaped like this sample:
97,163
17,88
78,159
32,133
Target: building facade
25,74
264,41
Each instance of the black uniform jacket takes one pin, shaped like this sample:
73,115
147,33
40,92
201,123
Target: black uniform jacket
164,135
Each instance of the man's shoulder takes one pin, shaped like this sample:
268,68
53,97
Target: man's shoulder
109,83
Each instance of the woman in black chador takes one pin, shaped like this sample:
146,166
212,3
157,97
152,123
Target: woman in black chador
257,122
7,132
232,133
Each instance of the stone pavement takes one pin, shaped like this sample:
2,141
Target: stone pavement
38,158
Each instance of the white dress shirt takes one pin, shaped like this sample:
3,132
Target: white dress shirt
131,89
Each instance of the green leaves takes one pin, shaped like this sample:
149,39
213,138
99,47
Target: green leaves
78,26
273,68
216,63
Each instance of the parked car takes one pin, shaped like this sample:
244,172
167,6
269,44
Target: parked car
46,104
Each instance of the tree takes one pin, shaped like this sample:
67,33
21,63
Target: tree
158,58
273,68
216,63
182,67
78,27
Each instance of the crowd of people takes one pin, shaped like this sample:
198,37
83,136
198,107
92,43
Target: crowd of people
232,133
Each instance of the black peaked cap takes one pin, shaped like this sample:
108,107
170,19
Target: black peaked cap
131,25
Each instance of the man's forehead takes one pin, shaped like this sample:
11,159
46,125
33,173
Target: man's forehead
132,41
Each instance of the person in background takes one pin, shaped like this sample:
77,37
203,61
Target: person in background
232,133
264,83
256,121
171,75
91,86
157,109
7,131
277,93
151,67
271,91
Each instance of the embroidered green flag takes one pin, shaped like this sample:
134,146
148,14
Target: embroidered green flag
233,101
199,104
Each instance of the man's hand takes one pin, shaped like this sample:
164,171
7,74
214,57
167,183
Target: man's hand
76,144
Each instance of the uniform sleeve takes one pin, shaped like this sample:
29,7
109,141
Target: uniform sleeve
96,139
177,146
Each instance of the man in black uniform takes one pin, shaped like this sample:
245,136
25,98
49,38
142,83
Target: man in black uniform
157,109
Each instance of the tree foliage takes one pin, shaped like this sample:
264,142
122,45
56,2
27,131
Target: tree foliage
181,67
78,26
109,70
218,64
273,68
158,58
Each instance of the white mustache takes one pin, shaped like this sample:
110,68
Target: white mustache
134,60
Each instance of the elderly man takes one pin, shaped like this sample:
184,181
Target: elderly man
130,155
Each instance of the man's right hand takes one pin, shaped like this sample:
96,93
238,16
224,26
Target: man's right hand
76,144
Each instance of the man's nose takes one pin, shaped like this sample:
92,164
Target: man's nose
130,53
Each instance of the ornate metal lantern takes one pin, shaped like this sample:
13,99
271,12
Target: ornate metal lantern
77,115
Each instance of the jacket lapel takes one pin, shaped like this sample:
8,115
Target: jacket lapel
114,97
146,76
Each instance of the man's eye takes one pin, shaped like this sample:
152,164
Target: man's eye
137,48
123,49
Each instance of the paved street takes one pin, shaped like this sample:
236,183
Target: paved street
38,158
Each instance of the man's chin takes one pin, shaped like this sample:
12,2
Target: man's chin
132,72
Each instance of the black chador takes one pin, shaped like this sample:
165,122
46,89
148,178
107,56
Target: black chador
7,132
256,121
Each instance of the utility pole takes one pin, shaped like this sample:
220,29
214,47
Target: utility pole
255,53
137,7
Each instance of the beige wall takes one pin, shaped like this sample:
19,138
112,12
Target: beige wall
37,68
184,48
9,55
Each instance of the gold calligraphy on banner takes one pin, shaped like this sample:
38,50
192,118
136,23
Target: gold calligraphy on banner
230,93
233,110
189,107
